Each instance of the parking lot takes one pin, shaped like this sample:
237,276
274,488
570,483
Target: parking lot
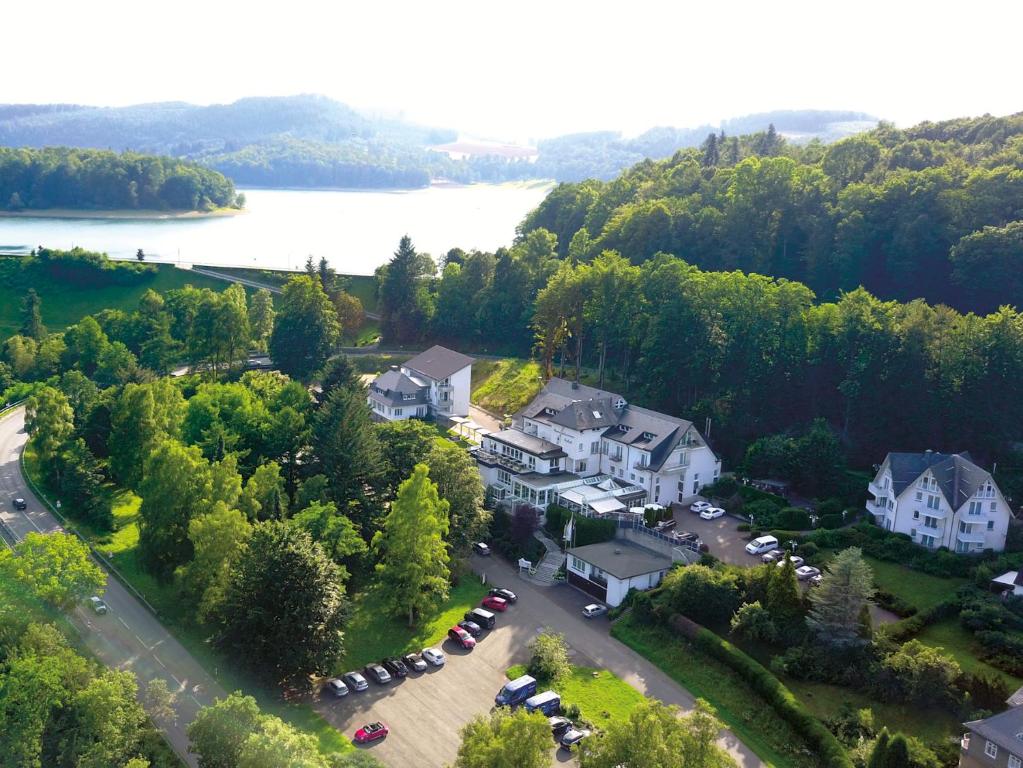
426,712
722,537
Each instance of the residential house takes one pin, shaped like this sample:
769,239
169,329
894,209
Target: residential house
433,383
994,742
591,450
940,500
608,570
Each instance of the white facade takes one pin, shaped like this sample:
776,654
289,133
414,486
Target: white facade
952,503
616,587
435,383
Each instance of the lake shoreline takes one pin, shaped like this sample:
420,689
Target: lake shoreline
126,214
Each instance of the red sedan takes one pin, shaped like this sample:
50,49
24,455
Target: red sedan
462,638
371,732
495,603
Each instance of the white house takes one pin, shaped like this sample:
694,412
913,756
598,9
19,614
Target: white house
433,383
591,450
940,500
608,570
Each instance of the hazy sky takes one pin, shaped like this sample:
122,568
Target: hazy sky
527,68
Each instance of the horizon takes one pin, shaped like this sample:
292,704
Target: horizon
478,74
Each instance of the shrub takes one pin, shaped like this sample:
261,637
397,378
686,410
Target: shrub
830,506
896,605
919,674
589,530
753,622
742,527
830,521
722,488
808,550
792,518
548,658
706,595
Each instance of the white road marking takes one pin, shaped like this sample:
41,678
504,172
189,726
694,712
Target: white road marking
157,660
123,622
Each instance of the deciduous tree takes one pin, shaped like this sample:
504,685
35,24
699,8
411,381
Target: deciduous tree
306,329
56,567
505,739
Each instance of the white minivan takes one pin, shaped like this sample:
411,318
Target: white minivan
761,545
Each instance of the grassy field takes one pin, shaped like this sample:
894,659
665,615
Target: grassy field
362,286
918,589
738,706
64,304
504,386
950,635
372,635
600,696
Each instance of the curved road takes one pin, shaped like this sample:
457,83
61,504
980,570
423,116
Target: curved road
129,636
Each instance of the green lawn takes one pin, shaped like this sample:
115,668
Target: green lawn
504,386
738,706
600,696
362,286
950,635
372,635
919,589
64,304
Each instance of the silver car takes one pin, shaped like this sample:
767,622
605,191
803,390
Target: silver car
355,681
337,687
434,656
594,609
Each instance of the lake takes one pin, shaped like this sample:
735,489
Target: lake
356,230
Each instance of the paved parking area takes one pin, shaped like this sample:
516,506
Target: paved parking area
722,537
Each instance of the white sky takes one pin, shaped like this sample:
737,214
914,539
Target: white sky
527,68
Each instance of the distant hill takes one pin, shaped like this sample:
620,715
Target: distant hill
313,141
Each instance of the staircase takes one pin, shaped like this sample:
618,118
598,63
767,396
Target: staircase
543,572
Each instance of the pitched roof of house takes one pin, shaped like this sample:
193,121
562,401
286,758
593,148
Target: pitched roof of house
621,558
650,431
587,414
438,362
958,477
1005,729
537,446
393,385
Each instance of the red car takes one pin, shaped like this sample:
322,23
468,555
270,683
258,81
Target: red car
462,638
495,603
371,732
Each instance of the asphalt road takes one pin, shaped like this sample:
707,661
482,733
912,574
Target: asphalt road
129,636
426,712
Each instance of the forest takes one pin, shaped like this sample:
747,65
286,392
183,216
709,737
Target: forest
88,179
926,212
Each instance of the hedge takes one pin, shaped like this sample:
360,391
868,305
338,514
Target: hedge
901,631
588,530
827,748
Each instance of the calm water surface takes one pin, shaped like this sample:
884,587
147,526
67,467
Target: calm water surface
356,230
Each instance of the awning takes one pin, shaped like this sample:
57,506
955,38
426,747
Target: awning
604,506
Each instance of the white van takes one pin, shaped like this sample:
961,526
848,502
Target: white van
761,545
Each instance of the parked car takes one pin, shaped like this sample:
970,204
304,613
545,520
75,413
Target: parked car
712,513
495,603
594,609
507,594
548,702
378,673
460,637
773,556
97,605
371,732
796,561
471,627
481,549
414,662
395,666
685,537
355,681
20,503
815,581
559,724
699,506
573,736
665,525
806,572
516,691
761,545
481,617
337,687
434,656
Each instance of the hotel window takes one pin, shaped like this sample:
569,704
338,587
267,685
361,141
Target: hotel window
990,525
932,502
994,506
397,411
594,447
990,749
919,496
975,508
916,514
578,565
1014,762
580,466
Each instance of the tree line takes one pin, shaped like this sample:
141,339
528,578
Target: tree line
58,177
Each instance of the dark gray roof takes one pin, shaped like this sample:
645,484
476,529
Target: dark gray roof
438,362
587,414
621,558
537,446
958,477
1004,729
394,385
651,431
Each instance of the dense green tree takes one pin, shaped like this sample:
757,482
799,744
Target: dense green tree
55,567
405,302
142,416
306,329
219,730
49,421
505,739
82,488
413,559
838,600
335,533
784,598
346,446
548,656
457,477
31,316
218,538
704,594
263,497
403,444
754,622
261,318
350,314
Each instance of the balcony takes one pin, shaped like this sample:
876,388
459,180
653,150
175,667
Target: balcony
874,489
970,537
875,508
615,458
496,459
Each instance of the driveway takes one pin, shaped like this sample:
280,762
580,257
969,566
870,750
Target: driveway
722,537
426,715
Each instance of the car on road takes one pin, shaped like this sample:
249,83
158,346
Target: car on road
97,605
337,686
371,732
414,662
434,656
20,503
773,556
495,603
481,549
471,627
573,736
378,673
806,572
796,561
460,637
559,724
355,681
761,545
507,594
594,609
712,513
395,666
699,506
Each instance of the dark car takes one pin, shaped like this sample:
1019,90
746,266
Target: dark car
414,662
559,724
20,504
572,737
471,627
395,666
378,673
507,594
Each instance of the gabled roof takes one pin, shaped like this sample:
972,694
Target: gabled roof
438,362
650,431
393,385
587,414
958,477
1005,730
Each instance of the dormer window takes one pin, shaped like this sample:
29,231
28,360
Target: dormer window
623,428
648,435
